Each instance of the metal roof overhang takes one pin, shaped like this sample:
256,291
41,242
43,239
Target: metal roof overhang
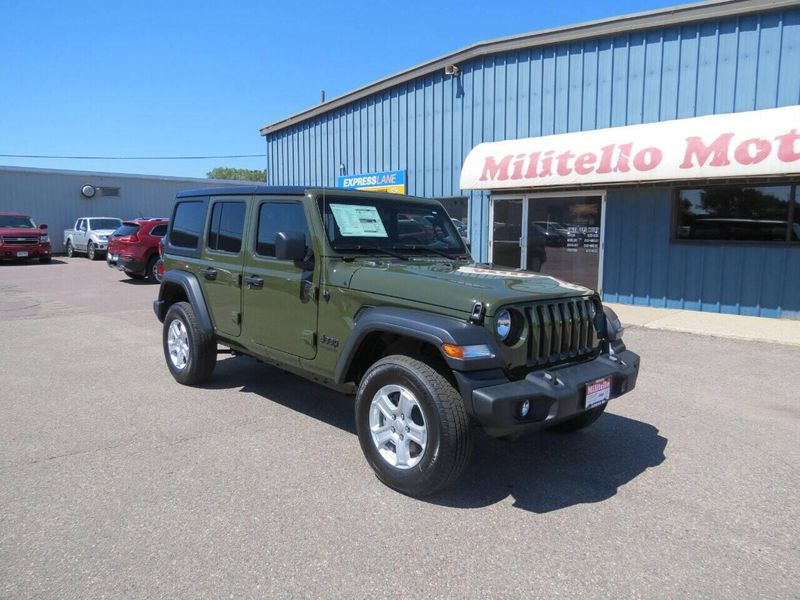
677,15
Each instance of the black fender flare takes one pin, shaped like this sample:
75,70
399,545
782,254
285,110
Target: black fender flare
194,295
426,327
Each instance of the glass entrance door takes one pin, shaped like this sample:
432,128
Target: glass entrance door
507,233
558,235
570,228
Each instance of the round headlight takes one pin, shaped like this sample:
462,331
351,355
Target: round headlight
503,324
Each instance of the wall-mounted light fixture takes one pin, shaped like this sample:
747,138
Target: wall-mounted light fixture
452,70
88,191
342,169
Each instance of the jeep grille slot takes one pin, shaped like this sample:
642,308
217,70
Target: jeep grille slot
560,331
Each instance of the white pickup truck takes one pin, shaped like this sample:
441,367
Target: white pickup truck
90,235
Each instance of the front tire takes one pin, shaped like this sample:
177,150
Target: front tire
70,250
580,421
412,426
191,354
91,251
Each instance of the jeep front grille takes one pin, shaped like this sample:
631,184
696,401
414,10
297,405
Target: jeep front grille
561,331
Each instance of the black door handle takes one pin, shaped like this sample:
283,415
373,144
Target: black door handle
210,273
254,283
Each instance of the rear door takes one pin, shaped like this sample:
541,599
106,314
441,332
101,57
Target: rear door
221,274
279,299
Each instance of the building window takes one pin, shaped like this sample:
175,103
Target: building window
756,214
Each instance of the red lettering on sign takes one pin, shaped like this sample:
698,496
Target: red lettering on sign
752,151
563,168
532,165
494,171
584,163
786,146
606,152
647,159
695,147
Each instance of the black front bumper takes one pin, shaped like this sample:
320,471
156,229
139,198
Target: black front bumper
554,394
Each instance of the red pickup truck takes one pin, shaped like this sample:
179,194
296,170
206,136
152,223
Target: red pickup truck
20,238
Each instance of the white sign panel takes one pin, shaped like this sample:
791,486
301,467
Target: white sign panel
756,143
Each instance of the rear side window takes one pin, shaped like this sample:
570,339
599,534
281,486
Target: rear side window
279,216
126,229
187,224
159,230
227,226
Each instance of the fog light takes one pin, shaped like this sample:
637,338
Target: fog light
524,408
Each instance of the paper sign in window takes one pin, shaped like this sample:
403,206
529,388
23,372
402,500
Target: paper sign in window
358,221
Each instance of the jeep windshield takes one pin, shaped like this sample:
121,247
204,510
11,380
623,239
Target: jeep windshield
355,224
17,221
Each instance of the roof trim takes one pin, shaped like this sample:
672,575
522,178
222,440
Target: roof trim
284,190
664,17
89,174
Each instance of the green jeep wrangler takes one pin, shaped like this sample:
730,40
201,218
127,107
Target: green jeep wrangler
376,294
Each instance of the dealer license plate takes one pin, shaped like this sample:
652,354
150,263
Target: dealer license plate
598,392
21,254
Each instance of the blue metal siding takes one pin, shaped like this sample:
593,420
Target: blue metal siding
429,125
641,266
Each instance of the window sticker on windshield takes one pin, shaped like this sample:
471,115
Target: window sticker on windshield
358,221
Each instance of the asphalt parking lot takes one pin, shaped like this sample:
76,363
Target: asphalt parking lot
116,481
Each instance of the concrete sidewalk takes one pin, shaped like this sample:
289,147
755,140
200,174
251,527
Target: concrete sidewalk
777,331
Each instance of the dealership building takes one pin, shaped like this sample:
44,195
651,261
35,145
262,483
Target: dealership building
654,157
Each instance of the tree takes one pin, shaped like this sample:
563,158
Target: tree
240,174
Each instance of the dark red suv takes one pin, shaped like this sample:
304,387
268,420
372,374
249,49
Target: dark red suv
133,248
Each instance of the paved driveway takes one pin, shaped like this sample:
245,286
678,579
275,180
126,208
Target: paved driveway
115,481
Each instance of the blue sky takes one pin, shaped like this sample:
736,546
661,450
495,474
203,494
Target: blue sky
199,78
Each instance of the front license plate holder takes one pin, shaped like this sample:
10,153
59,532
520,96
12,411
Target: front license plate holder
598,392
22,254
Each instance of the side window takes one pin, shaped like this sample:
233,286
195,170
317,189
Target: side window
159,230
279,216
227,226
187,224
82,225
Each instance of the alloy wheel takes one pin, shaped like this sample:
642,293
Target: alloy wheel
397,426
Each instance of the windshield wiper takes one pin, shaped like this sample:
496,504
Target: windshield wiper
414,247
361,247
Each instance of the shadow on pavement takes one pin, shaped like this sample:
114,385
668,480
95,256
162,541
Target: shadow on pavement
543,472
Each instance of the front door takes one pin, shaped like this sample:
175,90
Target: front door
279,303
221,269
556,235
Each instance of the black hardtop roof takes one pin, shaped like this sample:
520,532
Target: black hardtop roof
247,190
284,190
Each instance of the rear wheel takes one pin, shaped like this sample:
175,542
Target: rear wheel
91,252
412,426
152,269
191,353
580,421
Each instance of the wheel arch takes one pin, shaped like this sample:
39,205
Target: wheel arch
180,286
377,330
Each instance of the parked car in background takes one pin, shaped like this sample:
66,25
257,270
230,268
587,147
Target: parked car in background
90,235
134,248
20,238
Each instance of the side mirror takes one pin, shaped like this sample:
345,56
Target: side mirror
290,245
42,226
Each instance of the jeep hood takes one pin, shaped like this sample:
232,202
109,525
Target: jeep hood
459,286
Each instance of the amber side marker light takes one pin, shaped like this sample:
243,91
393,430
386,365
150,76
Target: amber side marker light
467,352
